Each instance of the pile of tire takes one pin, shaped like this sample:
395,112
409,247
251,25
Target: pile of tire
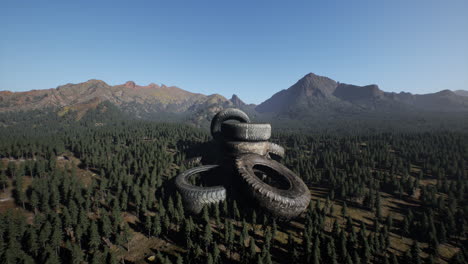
274,188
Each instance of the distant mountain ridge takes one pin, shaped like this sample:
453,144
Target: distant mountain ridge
312,95
315,94
461,92
142,101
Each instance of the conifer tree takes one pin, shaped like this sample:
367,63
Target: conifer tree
415,251
207,236
93,234
3,180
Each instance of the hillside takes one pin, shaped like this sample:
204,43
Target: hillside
461,92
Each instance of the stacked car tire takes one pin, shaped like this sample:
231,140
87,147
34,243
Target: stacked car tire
274,188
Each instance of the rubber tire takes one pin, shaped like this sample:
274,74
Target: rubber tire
284,204
224,115
276,151
195,197
263,148
246,131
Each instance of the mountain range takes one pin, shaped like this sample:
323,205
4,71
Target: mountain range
312,95
315,94
148,101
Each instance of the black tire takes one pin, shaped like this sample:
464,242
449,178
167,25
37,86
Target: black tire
246,131
195,197
263,148
224,115
285,202
276,151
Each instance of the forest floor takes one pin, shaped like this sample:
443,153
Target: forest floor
390,205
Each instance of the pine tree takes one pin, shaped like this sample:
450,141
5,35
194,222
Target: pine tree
96,258
316,254
207,236
45,232
209,259
106,226
217,216
235,210
77,255
225,208
170,207
442,234
156,226
216,254
267,258
52,257
259,259
94,238
406,226
356,258
394,259
20,195
252,252
389,222
415,251
331,252
57,237
431,260
366,252
206,215
31,242
3,180
342,246
180,260
127,234
148,223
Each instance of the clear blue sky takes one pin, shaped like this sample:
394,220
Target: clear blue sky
251,48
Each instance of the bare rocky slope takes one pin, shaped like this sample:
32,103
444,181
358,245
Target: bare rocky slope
151,101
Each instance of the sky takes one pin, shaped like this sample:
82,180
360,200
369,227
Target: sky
249,48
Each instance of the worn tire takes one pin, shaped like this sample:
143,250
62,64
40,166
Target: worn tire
224,115
276,151
195,197
284,203
263,148
246,131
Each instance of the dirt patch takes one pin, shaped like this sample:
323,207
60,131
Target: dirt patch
68,161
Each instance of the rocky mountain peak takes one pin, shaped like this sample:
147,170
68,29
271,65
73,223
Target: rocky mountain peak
237,101
446,92
130,84
153,85
314,85
306,91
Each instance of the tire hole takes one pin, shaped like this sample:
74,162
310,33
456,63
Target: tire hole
275,157
271,177
205,178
